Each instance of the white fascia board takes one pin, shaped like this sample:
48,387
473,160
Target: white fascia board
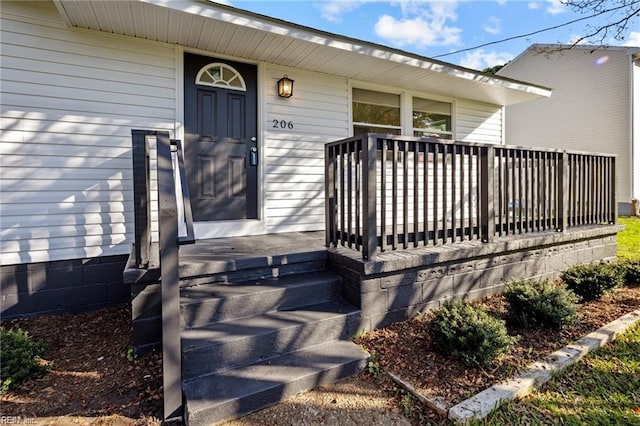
357,47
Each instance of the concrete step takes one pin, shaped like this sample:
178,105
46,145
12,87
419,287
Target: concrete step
219,346
210,303
201,269
236,392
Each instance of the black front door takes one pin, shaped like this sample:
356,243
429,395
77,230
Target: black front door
220,138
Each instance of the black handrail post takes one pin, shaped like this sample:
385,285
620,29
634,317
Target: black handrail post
487,207
170,280
370,218
329,194
614,191
563,192
141,197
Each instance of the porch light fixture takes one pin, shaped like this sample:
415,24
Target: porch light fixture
285,87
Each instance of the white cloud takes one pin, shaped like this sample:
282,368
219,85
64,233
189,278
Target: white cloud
422,24
556,7
479,59
334,10
492,26
533,5
633,39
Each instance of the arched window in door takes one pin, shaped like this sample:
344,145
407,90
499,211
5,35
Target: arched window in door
220,75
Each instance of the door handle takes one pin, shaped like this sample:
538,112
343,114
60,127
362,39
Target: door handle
253,156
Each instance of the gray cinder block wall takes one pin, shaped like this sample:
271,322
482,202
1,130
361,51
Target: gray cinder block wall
398,285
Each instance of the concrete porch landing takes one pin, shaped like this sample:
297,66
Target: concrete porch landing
218,255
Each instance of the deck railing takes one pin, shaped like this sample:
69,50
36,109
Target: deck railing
390,192
168,160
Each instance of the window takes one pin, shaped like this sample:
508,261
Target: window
220,75
432,118
376,112
379,112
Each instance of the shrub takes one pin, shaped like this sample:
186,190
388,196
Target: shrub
469,333
592,281
540,304
19,358
630,269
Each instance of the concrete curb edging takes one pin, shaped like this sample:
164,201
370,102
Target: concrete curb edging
538,373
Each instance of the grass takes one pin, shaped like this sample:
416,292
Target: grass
601,389
629,239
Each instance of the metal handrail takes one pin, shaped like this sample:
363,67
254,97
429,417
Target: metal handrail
168,253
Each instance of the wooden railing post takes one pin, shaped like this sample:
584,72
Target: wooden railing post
329,194
141,198
487,208
170,280
614,192
369,193
563,192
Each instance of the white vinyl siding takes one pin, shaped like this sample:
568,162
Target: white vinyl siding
478,122
588,110
294,158
69,101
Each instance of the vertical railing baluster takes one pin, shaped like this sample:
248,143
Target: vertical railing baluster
436,191
425,192
358,170
454,225
350,192
329,194
613,191
405,194
341,152
394,195
563,191
462,193
445,178
383,195
478,233
487,222
503,189
416,192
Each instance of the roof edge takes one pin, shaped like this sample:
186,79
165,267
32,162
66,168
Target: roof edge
280,26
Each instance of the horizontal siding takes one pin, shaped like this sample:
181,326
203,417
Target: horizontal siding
478,122
69,101
588,110
294,158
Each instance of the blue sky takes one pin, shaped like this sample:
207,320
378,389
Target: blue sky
433,28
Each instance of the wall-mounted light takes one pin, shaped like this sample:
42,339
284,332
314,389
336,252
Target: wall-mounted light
285,87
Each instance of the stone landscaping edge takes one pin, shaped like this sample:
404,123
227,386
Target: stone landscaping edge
482,404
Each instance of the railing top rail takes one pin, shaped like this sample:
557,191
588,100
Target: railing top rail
382,136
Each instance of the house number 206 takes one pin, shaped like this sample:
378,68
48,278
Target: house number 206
282,124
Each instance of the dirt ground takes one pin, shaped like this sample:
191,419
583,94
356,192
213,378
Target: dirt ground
95,381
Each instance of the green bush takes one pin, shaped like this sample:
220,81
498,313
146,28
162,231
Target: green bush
469,333
592,281
630,268
540,304
19,358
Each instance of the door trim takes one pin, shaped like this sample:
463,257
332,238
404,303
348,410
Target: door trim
230,228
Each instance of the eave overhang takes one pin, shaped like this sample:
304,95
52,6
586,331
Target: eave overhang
257,38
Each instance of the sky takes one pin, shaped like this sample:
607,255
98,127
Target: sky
438,29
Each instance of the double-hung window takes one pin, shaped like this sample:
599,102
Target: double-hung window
376,112
381,112
432,118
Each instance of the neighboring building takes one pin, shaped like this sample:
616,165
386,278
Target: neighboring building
78,76
595,106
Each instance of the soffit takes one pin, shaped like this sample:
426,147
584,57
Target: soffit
229,31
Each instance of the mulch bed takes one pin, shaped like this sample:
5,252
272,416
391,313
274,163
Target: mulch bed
406,350
91,374
93,377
